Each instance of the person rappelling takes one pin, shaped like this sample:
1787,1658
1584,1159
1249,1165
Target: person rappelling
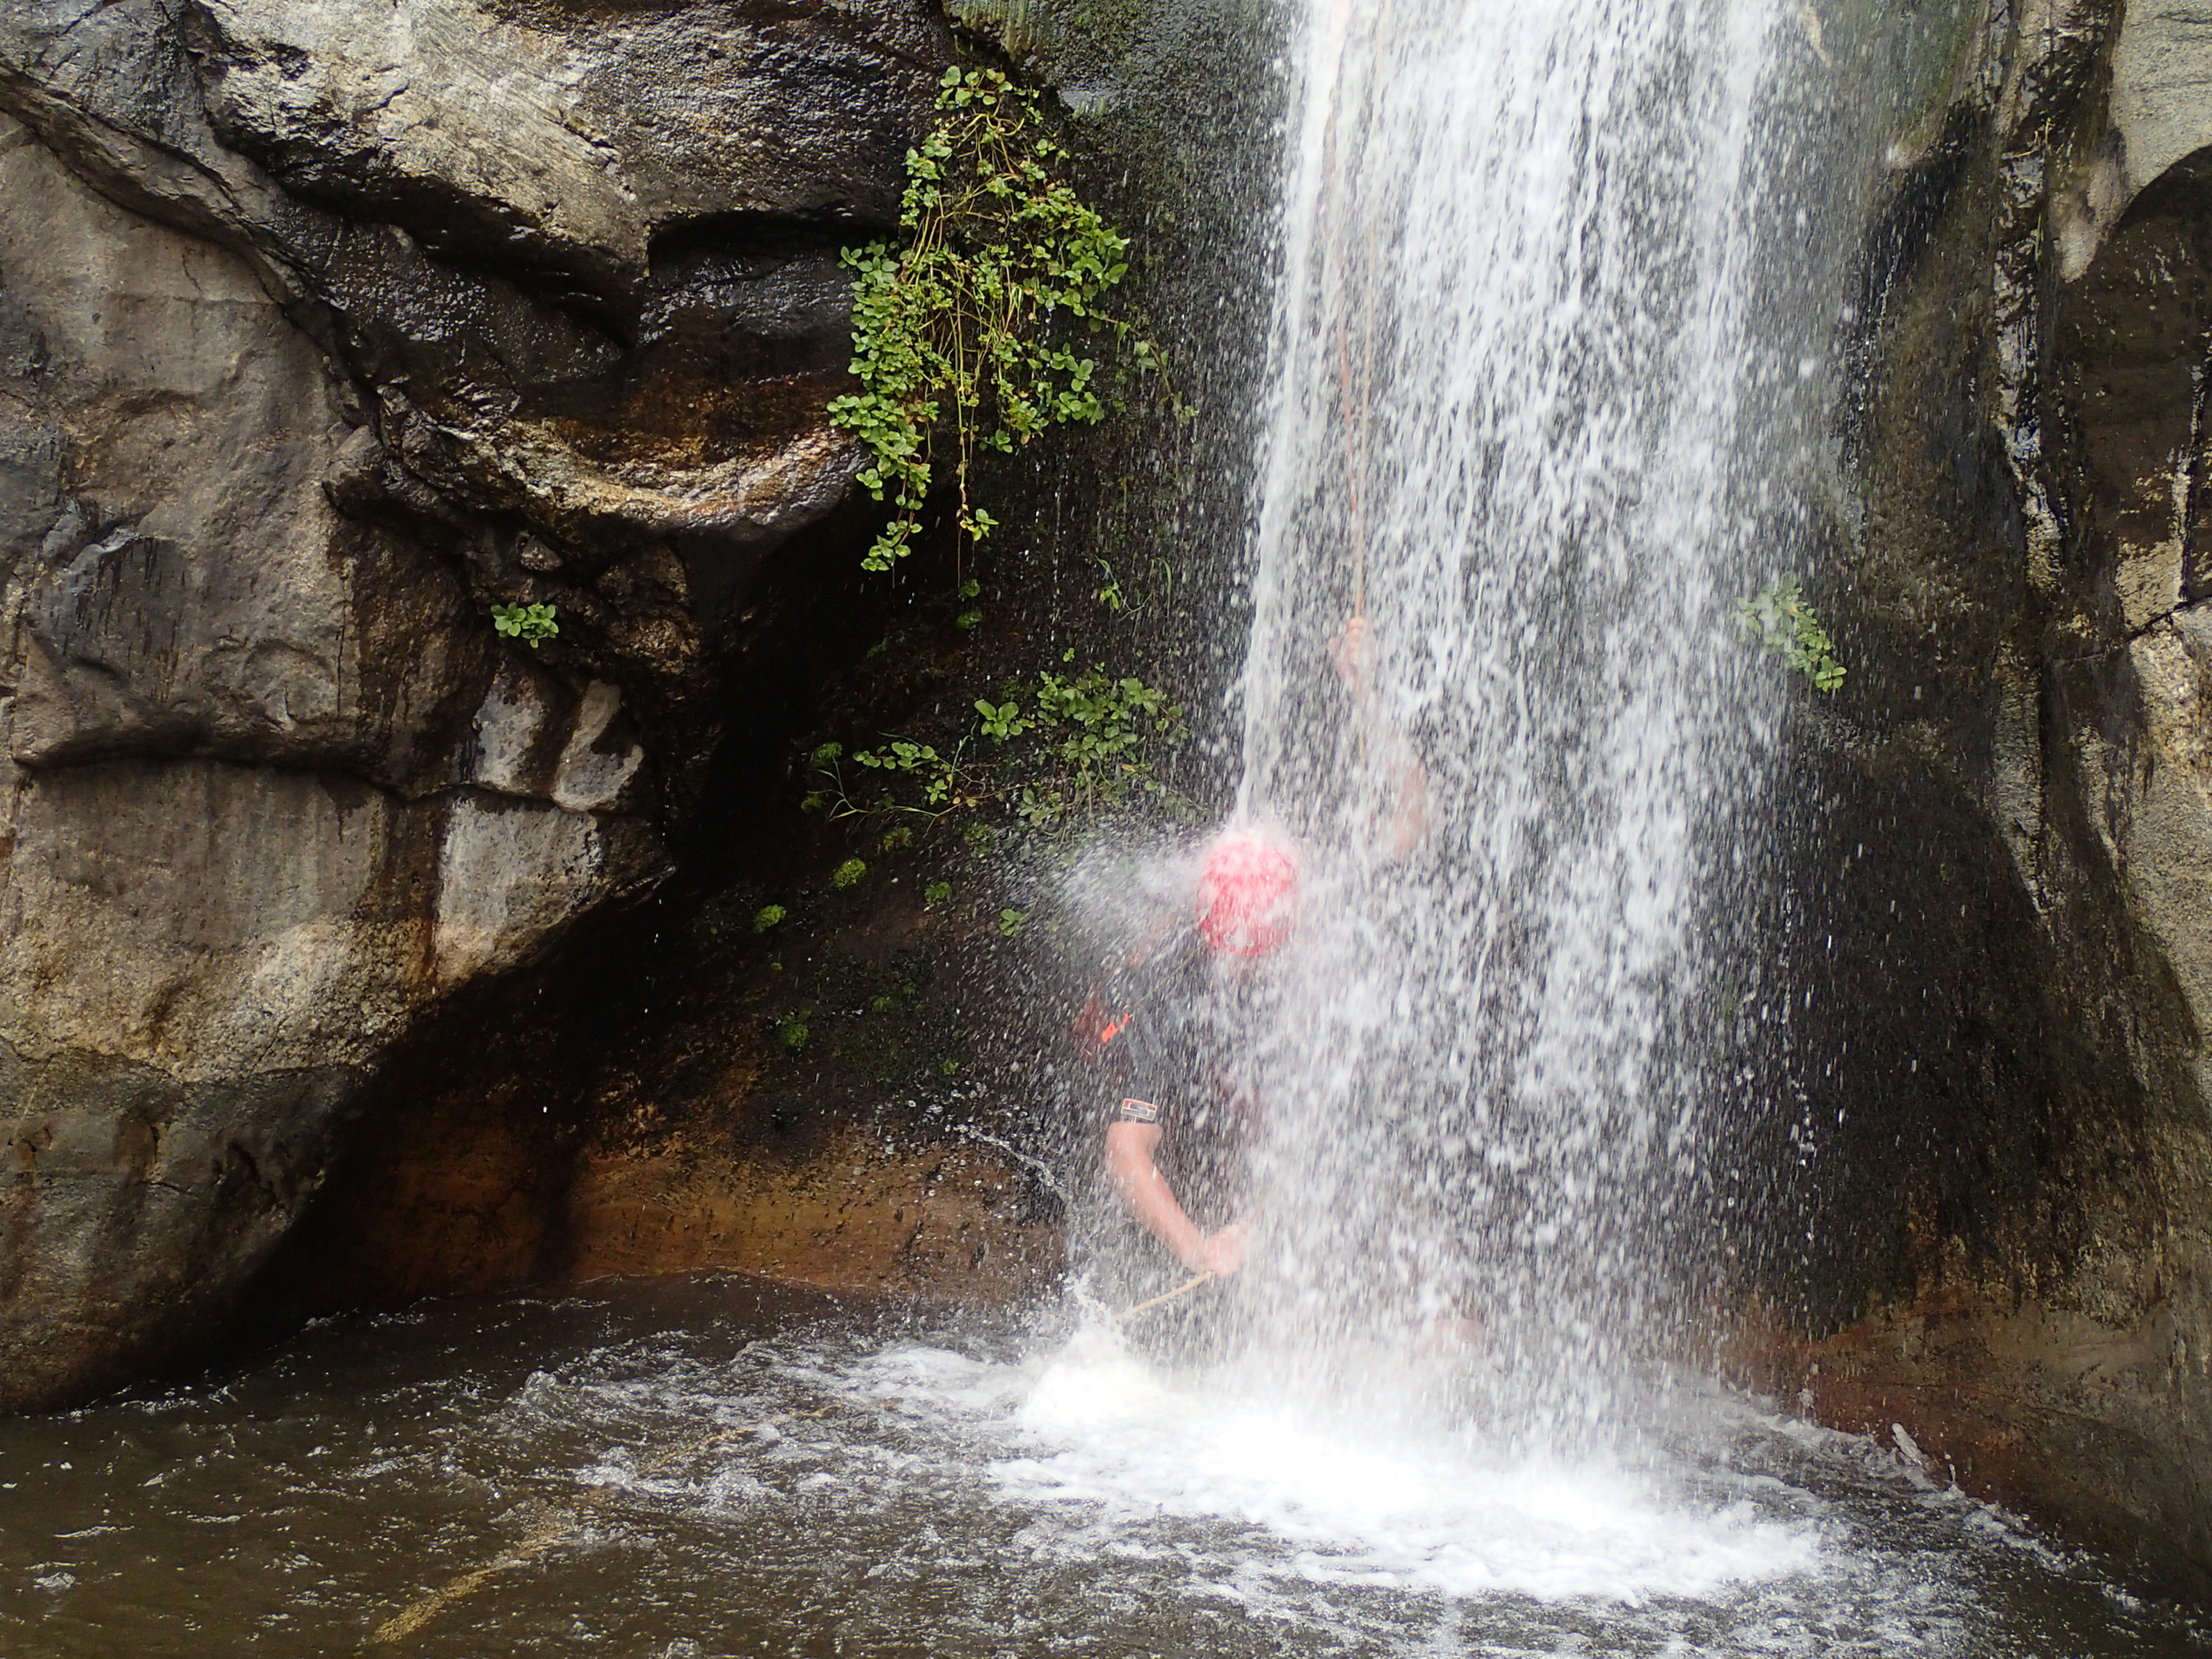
1161,1043
1167,1027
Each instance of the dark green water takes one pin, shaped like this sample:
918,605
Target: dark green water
712,1467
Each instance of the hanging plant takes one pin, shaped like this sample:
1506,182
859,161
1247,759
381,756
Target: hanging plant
1783,624
963,326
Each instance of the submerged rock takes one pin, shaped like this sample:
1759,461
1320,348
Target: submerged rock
324,328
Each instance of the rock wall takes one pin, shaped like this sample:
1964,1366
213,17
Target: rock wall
861,1097
324,326
2002,929
327,325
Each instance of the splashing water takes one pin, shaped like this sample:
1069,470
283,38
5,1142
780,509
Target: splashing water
1505,431
711,1469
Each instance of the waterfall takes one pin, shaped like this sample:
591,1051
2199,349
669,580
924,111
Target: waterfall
1509,425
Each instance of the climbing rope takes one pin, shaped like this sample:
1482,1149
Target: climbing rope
1348,288
1356,430
1162,1300
413,1616
417,1614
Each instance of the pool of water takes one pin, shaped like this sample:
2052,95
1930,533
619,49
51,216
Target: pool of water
713,1466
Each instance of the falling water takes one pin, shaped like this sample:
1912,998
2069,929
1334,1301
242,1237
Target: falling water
1508,430
1535,383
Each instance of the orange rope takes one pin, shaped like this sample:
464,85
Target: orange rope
1355,459
1356,427
1179,1292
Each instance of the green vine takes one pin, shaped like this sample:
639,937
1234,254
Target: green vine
963,322
1783,624
1063,748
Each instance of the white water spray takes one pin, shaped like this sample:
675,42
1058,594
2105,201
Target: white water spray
1507,428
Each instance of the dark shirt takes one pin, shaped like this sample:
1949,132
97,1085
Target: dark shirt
1166,1045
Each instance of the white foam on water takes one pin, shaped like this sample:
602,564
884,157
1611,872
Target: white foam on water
1110,1447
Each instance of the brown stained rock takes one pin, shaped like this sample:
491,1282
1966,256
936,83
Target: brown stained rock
849,1097
2065,1418
2130,338
487,1195
1993,1212
646,1109
941,1225
467,1207
325,327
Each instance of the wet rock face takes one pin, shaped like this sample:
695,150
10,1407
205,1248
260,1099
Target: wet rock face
324,327
2009,1092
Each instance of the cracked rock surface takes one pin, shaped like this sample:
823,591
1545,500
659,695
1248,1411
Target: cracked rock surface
2008,1100
324,326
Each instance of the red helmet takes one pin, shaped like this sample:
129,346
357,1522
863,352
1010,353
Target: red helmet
1248,896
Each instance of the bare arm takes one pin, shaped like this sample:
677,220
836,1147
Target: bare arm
1130,1149
1404,820
1409,820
